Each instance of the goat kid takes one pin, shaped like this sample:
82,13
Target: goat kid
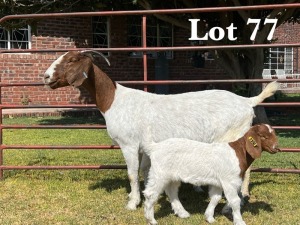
207,116
219,165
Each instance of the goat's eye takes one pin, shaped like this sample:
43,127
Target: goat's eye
73,59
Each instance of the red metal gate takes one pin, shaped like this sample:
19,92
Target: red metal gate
145,82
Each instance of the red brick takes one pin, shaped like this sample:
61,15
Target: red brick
65,33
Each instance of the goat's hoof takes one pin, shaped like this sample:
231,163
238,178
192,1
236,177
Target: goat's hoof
183,214
131,205
245,199
210,219
152,222
240,223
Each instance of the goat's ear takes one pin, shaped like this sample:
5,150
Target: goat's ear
253,145
78,71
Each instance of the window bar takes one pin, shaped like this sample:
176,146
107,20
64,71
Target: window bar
8,40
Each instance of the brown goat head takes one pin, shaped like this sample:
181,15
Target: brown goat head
69,69
72,68
260,138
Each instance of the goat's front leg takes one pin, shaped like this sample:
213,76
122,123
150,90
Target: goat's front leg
132,160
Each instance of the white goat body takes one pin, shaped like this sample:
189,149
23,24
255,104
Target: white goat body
208,116
198,163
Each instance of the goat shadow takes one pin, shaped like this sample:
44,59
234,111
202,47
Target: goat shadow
111,184
76,116
194,202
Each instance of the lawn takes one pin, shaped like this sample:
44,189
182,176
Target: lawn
99,197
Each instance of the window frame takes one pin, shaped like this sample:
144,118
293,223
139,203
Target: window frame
108,35
288,59
138,35
9,40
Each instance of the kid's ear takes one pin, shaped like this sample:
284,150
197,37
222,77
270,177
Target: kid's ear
252,146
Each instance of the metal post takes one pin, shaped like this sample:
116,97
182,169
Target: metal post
144,35
1,144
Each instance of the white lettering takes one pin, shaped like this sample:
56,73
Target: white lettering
274,21
231,29
218,33
194,30
212,33
255,21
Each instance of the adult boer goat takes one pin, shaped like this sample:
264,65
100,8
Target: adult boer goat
207,116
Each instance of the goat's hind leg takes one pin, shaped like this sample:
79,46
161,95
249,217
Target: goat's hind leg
172,192
151,193
145,167
215,194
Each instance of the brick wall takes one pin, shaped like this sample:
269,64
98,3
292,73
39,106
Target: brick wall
289,33
76,32
20,68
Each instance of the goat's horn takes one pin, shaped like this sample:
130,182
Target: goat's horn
99,53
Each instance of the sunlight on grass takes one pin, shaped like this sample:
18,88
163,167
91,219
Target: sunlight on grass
100,196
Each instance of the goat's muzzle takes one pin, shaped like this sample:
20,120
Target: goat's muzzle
48,83
274,150
46,78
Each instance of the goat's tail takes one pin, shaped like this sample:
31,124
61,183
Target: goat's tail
269,90
147,142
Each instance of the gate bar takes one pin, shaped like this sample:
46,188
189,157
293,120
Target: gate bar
67,147
154,82
266,104
63,167
100,127
89,147
142,49
275,170
269,170
150,12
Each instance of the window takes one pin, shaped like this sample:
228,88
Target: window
280,59
100,27
15,38
159,34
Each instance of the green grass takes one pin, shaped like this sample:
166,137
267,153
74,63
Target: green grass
99,197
